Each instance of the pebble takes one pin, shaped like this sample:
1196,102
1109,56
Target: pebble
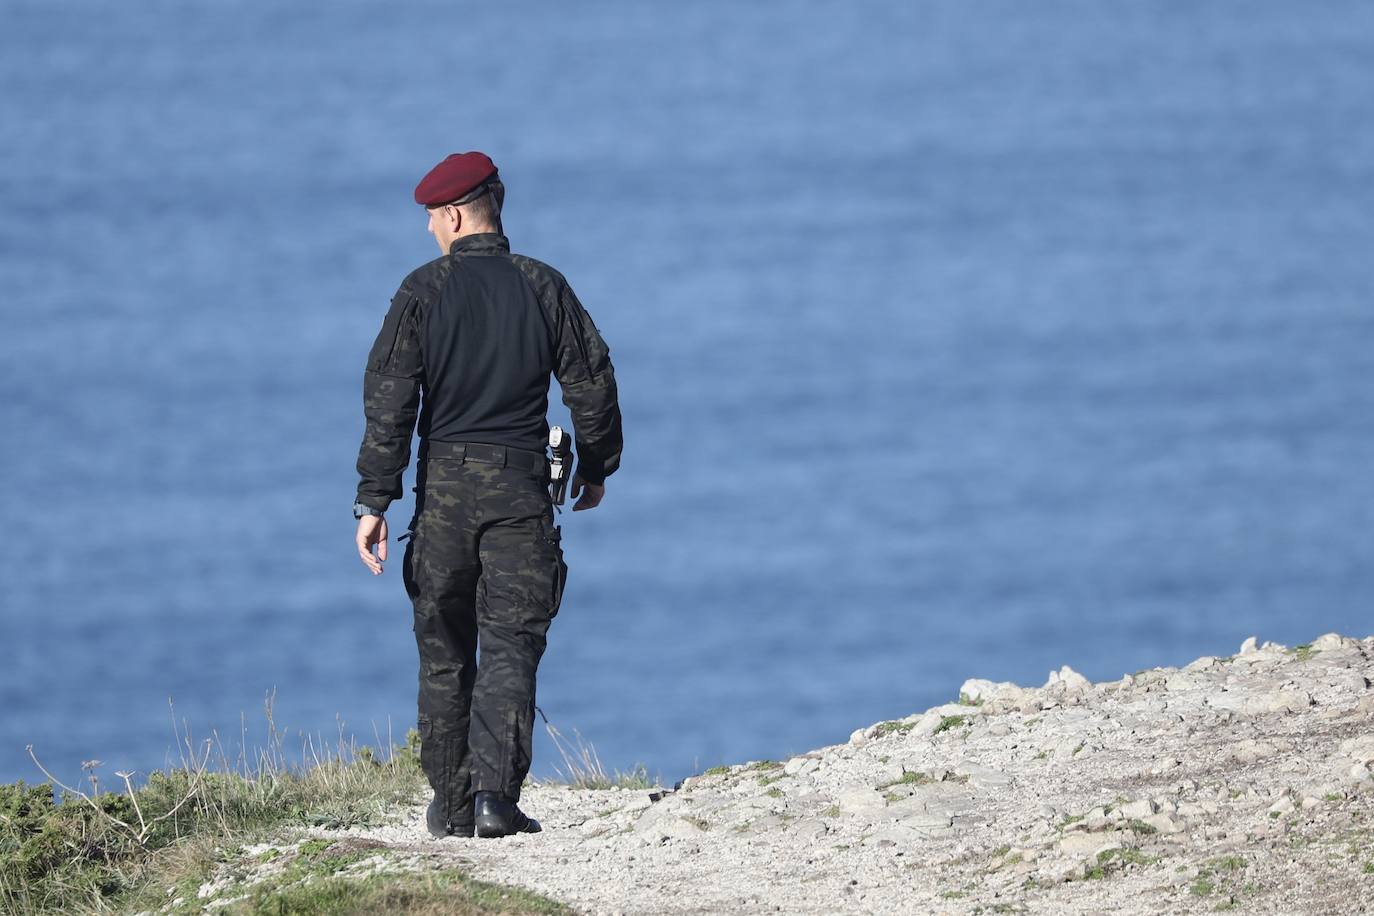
1139,809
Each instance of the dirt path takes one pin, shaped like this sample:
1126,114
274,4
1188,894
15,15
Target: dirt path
1240,783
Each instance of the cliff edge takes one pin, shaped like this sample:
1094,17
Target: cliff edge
1239,783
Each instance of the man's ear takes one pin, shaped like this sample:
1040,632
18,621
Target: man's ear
446,217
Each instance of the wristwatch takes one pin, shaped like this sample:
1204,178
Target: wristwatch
359,510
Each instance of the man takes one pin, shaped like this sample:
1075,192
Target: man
468,346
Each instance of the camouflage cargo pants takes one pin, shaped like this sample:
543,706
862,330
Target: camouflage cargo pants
485,566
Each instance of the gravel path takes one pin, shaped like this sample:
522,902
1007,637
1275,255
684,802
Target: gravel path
1241,783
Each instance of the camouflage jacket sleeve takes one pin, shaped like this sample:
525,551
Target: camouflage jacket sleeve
391,402
582,364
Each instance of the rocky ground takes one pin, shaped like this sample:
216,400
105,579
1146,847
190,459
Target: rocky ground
1237,783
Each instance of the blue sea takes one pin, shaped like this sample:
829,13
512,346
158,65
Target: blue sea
954,340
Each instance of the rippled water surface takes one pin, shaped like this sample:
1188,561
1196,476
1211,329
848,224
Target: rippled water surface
954,340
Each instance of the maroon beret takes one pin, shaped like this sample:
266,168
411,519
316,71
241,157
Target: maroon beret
453,178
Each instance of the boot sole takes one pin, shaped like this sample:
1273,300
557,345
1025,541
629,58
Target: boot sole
490,828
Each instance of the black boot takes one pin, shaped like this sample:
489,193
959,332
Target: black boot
459,824
497,815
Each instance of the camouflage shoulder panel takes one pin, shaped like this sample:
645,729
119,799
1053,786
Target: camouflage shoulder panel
547,282
427,281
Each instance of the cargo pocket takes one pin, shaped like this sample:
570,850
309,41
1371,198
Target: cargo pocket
410,558
553,539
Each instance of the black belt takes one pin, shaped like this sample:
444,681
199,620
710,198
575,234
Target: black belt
501,455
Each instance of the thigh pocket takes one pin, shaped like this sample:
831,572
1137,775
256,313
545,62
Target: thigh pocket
551,537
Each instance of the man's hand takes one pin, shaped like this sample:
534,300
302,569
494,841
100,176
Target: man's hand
591,493
372,531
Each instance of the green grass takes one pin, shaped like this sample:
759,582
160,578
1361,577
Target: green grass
1202,887
1227,863
1126,857
1303,652
909,778
92,850
774,792
965,700
717,771
948,722
441,893
1141,828
894,727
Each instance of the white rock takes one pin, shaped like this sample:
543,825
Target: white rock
638,802
1090,844
1187,680
1163,823
1360,749
859,800
898,835
1067,748
1257,703
1283,806
1068,680
926,725
975,689
927,822
1250,645
1249,750
1142,808
1164,765
1347,681
1332,641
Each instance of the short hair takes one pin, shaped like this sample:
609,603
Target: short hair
485,209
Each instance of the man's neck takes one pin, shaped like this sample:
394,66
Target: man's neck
476,230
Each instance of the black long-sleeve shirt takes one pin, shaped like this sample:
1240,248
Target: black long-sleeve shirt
468,346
